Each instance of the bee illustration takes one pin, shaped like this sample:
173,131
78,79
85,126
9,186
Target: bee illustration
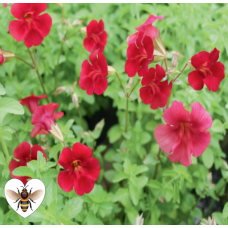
24,198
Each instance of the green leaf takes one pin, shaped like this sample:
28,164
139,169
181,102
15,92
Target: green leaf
2,90
3,159
72,208
114,133
225,211
92,219
154,184
217,126
120,176
145,138
176,193
220,220
63,221
11,106
23,171
134,194
105,208
140,169
208,158
122,196
127,166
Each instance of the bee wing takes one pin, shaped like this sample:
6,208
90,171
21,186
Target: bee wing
12,195
36,195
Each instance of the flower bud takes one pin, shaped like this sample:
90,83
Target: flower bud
5,56
75,100
174,60
139,220
209,221
158,44
158,56
59,90
111,70
77,22
128,86
84,31
59,5
209,177
56,132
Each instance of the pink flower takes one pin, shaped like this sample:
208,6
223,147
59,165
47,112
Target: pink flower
30,26
207,71
1,59
44,120
96,36
139,56
93,76
32,102
4,4
155,91
184,133
147,28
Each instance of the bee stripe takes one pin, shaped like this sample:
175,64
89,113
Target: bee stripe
24,205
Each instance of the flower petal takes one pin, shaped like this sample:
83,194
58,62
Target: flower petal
150,21
160,73
101,85
92,168
44,23
147,78
200,119
19,10
102,64
166,136
195,79
218,70
35,150
131,67
199,59
23,152
33,38
83,184
176,114
66,158
146,94
86,83
158,100
214,55
212,83
18,29
66,181
200,142
149,47
82,152
89,44
91,27
132,38
58,115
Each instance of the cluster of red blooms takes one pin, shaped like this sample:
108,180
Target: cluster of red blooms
184,134
93,76
81,169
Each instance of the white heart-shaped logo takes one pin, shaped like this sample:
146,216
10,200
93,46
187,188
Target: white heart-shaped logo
24,199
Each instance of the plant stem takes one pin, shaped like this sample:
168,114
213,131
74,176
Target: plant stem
134,87
166,65
67,38
23,61
38,74
5,149
180,72
126,114
121,84
156,168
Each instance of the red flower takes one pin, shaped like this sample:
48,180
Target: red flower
31,26
155,91
5,4
1,59
93,77
207,71
24,153
96,36
185,133
44,120
147,28
32,102
139,56
82,169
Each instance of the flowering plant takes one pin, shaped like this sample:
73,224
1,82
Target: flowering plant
121,112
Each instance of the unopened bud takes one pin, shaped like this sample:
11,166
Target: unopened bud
162,199
75,100
128,86
46,147
84,134
174,60
5,56
77,22
111,70
158,56
84,31
209,177
99,125
59,90
139,220
190,65
56,132
74,84
158,44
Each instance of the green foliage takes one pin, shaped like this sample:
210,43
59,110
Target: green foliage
135,176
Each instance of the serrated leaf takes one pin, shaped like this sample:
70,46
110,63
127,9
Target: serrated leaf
10,105
120,176
134,194
23,171
225,211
